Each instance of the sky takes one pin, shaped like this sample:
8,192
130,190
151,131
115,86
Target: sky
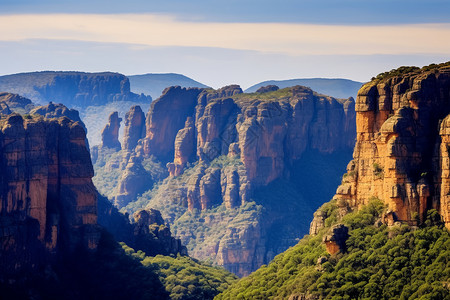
224,42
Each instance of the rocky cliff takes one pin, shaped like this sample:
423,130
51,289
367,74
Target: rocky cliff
266,131
228,155
110,134
48,200
401,154
71,88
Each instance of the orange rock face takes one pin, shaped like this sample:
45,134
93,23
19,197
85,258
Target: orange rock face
266,131
401,153
48,200
134,127
166,117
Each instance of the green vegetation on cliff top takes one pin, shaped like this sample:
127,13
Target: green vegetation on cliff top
383,262
411,70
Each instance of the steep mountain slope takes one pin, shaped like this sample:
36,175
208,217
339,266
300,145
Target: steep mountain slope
155,84
385,233
240,167
339,88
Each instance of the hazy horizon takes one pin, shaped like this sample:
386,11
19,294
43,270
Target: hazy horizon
222,43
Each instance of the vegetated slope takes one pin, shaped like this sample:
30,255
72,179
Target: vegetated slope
381,262
231,172
155,84
335,87
184,277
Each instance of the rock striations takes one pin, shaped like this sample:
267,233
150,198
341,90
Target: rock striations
401,154
48,200
267,132
48,203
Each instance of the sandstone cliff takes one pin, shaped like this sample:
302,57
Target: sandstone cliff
266,131
48,200
134,127
401,153
110,134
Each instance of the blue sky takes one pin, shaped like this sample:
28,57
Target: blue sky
224,42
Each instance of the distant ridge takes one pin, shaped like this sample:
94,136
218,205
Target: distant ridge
338,88
153,84
71,88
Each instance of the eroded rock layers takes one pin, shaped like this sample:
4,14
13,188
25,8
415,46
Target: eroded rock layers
401,154
267,132
48,201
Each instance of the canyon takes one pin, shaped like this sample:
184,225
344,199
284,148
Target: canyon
221,149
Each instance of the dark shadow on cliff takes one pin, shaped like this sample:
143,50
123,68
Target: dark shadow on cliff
107,273
290,203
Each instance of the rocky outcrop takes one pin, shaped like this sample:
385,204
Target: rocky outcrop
184,148
264,133
335,240
166,117
133,181
242,249
267,88
71,88
267,134
110,134
57,110
134,127
148,232
48,201
153,237
401,152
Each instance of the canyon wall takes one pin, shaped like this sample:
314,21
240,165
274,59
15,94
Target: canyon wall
49,205
401,154
266,131
48,200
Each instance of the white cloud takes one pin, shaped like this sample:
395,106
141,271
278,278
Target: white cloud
283,38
